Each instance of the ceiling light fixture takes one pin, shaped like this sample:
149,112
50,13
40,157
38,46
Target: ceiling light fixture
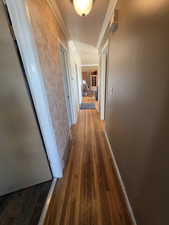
83,7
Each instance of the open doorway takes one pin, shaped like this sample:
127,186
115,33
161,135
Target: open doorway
24,167
90,82
90,87
22,145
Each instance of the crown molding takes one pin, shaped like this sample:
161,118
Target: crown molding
107,19
68,35
56,11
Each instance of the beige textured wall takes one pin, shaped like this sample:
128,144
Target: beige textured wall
137,112
47,32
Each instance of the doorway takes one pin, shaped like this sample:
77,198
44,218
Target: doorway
23,159
90,82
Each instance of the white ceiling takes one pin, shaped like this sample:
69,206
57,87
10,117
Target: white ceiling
84,30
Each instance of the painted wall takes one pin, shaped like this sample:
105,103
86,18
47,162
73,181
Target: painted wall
47,31
84,75
137,111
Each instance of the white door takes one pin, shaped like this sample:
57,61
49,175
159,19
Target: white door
66,79
23,161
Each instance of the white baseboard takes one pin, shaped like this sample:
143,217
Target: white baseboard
47,203
121,181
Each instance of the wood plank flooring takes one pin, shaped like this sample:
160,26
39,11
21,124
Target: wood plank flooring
89,192
24,207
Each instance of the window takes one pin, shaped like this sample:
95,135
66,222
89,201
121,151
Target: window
94,81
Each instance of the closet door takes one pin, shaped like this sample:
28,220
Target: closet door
23,160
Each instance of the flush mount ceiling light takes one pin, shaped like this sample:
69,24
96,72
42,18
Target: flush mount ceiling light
83,7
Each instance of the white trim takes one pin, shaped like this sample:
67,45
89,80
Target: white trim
88,65
80,85
66,79
47,203
55,9
105,46
107,19
61,43
26,43
121,181
59,18
74,60
103,71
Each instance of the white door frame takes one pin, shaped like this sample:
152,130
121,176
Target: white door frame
72,85
104,54
77,84
67,84
26,42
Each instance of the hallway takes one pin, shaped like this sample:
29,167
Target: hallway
89,192
54,53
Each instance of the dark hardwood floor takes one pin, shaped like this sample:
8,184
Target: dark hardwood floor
24,207
89,192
